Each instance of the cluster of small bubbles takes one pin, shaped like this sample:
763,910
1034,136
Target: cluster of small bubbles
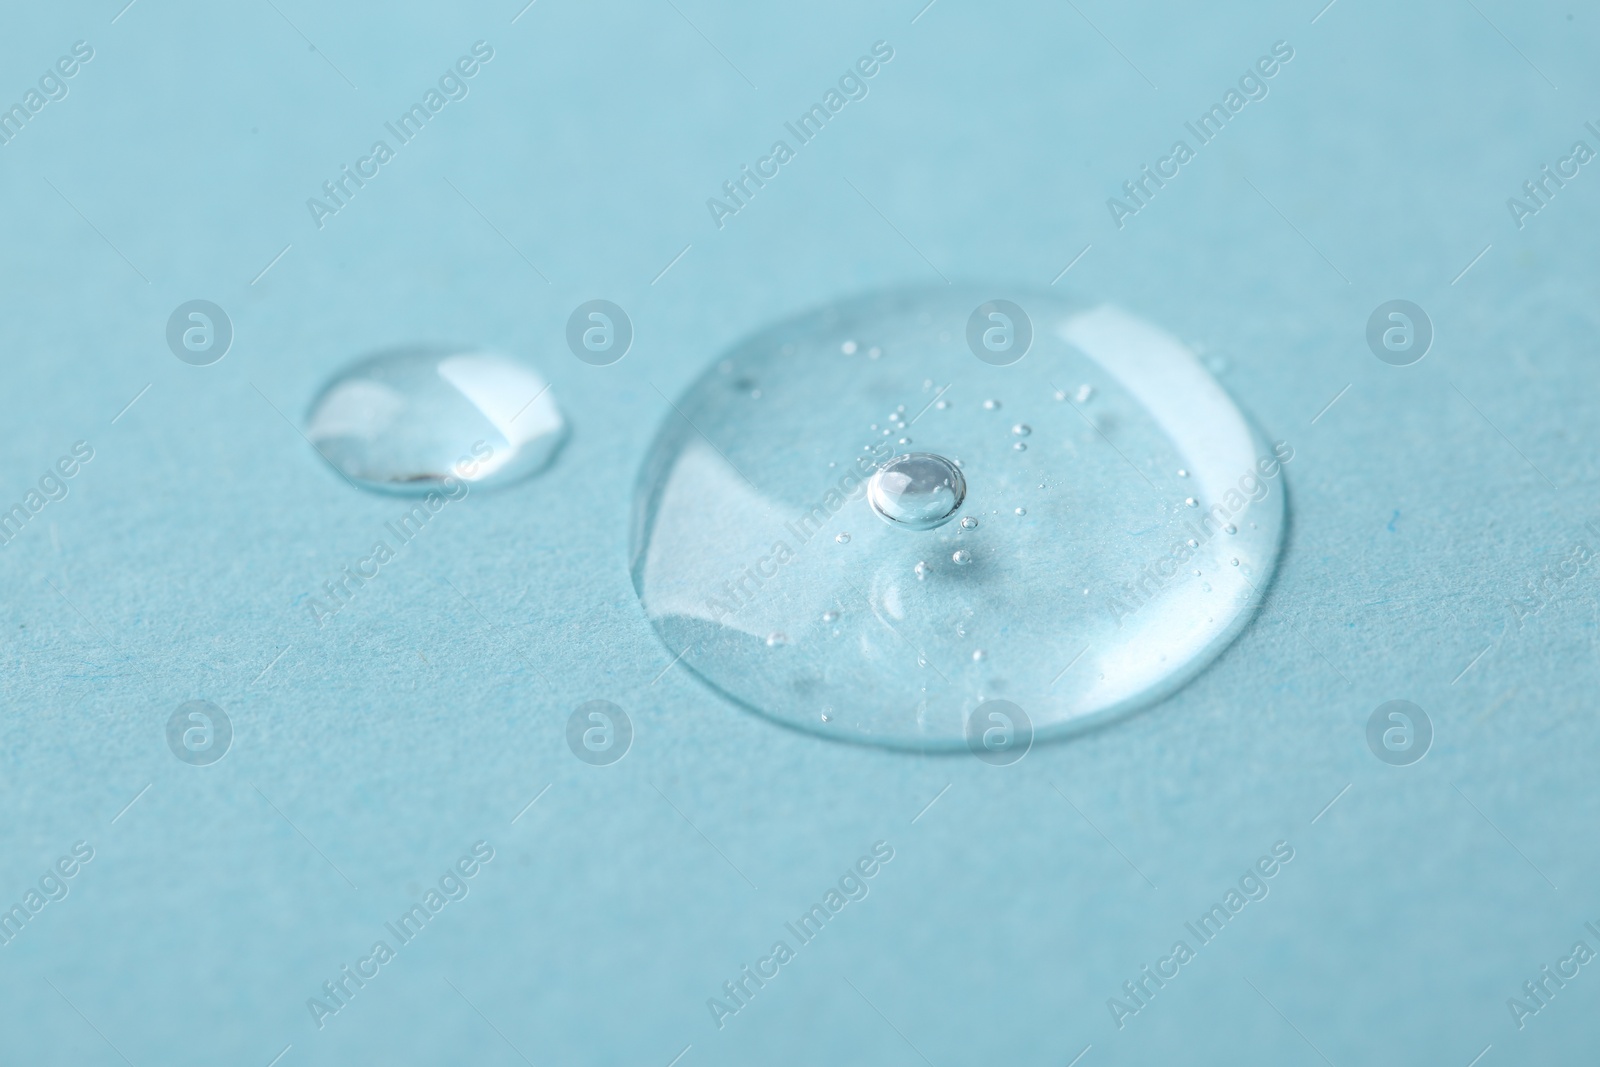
1085,392
1022,511
830,616
848,348
776,638
991,405
961,557
920,570
1190,501
1022,429
1020,447
843,538
969,523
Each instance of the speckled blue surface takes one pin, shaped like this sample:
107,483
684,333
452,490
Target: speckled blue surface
371,754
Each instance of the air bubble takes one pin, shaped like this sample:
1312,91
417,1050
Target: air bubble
1084,393
1020,446
735,500
969,523
1022,429
418,420
1022,511
843,538
917,490
776,638
991,405
830,616
961,557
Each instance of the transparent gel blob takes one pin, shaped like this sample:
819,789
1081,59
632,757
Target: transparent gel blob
403,421
1073,594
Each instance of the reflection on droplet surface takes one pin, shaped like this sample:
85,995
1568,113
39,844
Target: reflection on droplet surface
917,490
412,420
1086,611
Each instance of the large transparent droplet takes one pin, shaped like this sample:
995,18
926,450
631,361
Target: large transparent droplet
404,421
1074,593
918,490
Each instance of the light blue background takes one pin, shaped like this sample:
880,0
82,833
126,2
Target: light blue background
432,710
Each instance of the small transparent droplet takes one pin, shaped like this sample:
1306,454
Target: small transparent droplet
874,352
1190,501
969,523
904,441
920,570
1061,394
1182,473
848,348
978,654
1235,561
917,490
1084,393
843,538
1231,528
1022,511
1022,429
420,419
991,405
775,639
961,557
941,404
1020,446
